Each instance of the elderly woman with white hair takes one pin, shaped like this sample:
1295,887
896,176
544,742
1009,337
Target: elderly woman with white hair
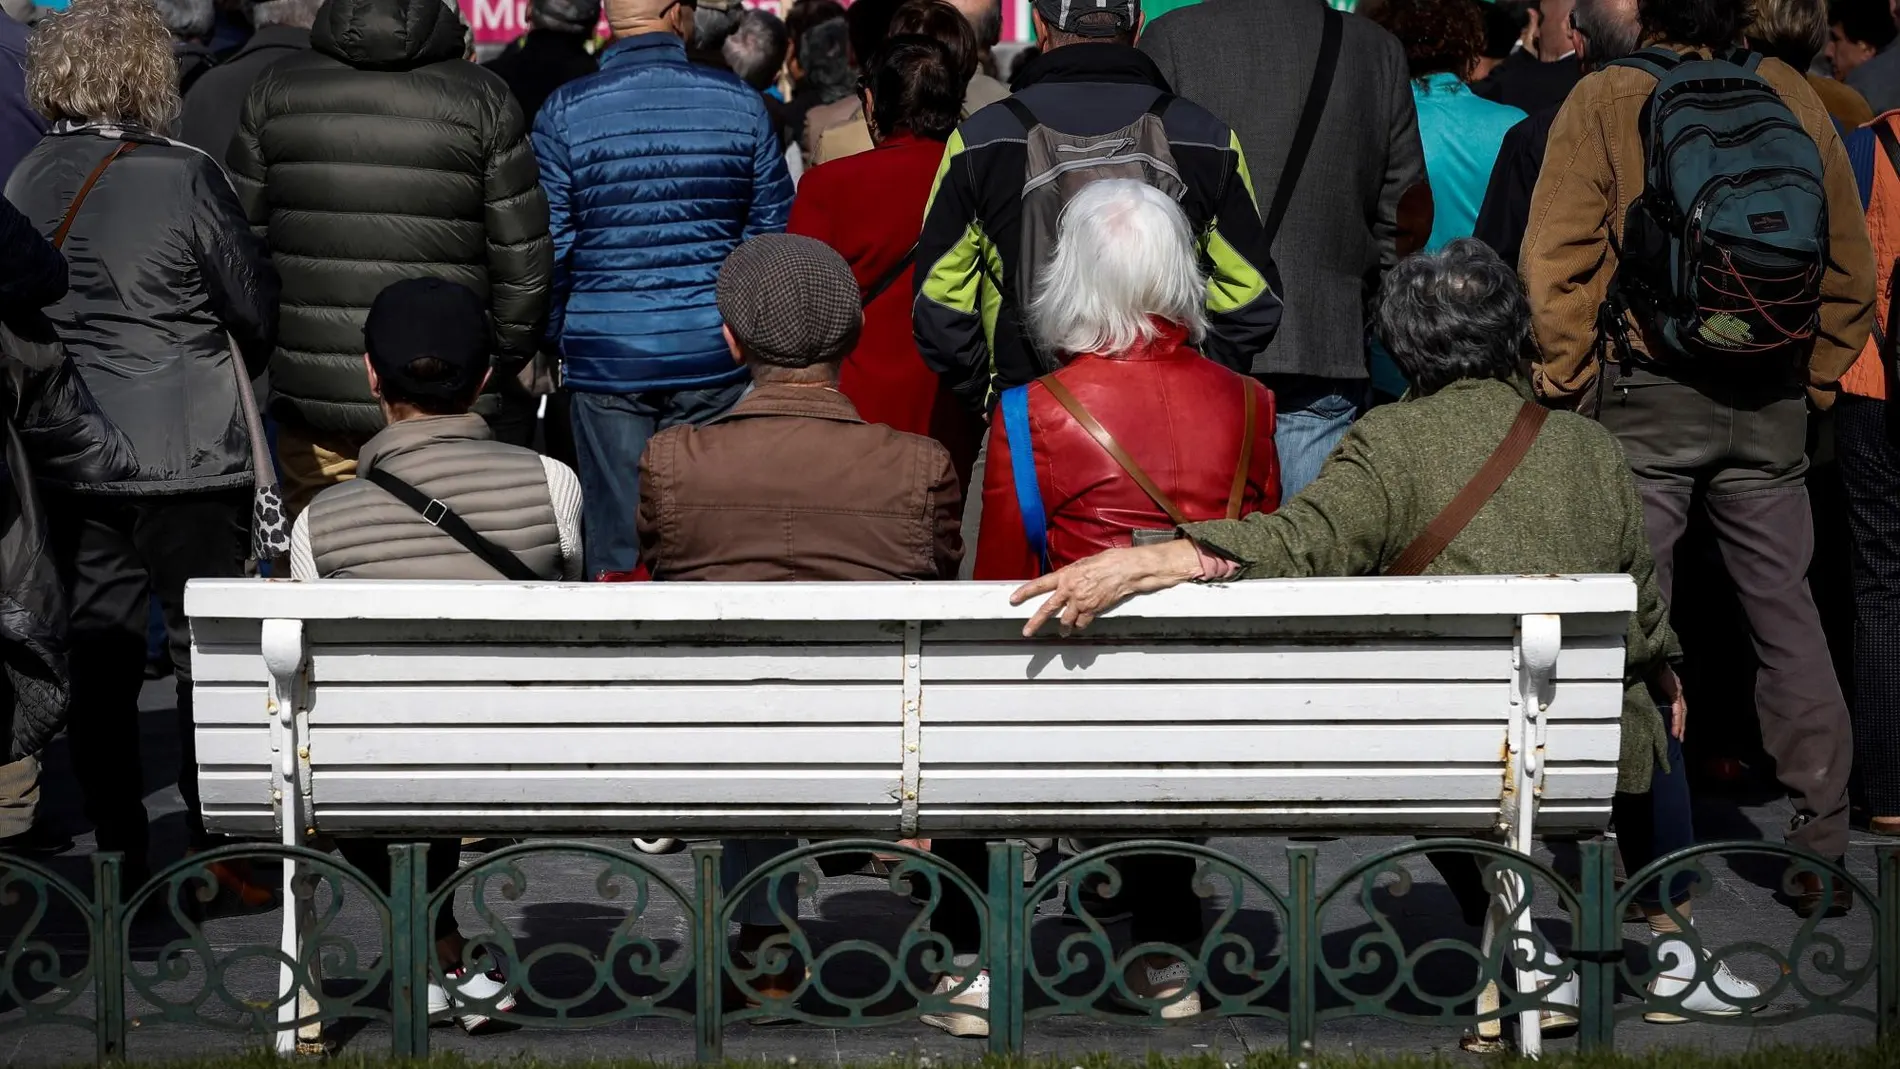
1136,434
1391,500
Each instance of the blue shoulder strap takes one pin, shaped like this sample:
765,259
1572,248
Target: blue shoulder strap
1860,158
1022,462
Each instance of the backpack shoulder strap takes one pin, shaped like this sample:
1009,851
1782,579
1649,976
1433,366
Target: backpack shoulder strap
1746,59
444,519
1430,542
1159,108
1021,111
1022,464
1245,467
1332,30
1657,62
1861,146
1113,448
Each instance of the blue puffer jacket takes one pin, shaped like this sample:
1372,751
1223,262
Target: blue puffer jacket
654,170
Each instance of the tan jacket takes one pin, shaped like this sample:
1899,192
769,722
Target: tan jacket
1593,172
793,485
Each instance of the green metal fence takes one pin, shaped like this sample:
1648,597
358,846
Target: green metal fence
1265,953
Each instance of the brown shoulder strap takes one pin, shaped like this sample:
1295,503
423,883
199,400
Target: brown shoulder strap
1113,448
72,210
1447,524
1246,453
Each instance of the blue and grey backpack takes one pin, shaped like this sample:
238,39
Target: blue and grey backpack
1722,255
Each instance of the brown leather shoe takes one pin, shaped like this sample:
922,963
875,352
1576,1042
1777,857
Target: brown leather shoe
1808,899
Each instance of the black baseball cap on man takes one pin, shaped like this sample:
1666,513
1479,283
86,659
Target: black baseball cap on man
431,318
1068,16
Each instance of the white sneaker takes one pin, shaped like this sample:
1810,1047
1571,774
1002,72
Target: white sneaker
973,1021
482,988
1157,978
1723,995
1560,1006
1559,1014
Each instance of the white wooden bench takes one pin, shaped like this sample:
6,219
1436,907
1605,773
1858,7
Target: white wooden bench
1485,705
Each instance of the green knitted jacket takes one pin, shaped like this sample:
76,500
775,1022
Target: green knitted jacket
1570,508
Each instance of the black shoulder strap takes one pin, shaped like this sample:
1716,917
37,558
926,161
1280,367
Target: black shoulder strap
1655,61
1022,113
445,519
889,278
1316,94
1160,107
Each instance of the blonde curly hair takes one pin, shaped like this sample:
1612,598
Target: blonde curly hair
104,61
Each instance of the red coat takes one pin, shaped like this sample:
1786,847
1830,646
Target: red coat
1178,414
870,207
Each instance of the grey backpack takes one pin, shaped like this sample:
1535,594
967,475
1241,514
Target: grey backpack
1060,164
1724,252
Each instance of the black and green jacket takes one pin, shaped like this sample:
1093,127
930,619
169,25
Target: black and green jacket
969,328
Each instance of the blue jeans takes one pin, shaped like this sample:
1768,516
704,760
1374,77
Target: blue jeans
611,431
1313,415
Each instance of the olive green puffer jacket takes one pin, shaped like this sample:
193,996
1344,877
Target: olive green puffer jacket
382,154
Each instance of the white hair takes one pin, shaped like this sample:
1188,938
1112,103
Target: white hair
1124,252
299,13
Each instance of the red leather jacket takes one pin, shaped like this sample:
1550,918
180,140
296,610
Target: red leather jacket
1178,414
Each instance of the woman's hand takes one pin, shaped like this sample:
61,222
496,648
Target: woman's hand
1086,589
1665,683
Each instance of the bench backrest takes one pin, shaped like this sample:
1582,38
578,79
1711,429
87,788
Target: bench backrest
1337,704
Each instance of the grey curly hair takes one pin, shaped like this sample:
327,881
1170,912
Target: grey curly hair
104,61
1455,314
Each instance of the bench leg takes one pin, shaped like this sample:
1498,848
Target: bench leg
291,944
1530,1034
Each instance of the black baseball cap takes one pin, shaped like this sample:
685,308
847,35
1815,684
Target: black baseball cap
428,317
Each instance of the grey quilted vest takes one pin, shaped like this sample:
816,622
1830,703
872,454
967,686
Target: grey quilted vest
359,532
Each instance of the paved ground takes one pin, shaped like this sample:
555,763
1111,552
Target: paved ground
559,901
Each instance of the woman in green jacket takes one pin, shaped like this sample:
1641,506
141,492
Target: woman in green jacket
1457,323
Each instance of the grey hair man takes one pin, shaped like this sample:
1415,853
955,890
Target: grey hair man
1602,31
215,100
755,51
190,23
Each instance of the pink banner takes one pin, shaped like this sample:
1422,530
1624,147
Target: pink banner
498,22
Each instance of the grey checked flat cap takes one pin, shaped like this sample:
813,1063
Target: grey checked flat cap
791,301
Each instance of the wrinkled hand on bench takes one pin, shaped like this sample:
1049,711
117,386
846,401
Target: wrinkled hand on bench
1086,589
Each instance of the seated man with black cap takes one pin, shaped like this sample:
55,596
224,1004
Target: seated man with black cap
436,497
792,484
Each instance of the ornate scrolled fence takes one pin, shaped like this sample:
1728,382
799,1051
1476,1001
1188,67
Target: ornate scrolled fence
1264,953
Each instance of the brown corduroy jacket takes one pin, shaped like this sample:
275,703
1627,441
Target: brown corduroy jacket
1593,172
793,485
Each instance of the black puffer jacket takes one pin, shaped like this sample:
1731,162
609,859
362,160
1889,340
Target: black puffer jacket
382,155
162,269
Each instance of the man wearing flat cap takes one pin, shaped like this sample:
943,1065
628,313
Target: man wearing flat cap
792,484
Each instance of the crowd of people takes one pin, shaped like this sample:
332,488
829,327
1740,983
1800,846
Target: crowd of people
1260,289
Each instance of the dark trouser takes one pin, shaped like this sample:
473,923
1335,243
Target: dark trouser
371,858
1650,824
1870,469
1743,449
1156,889
611,432
113,553
517,420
